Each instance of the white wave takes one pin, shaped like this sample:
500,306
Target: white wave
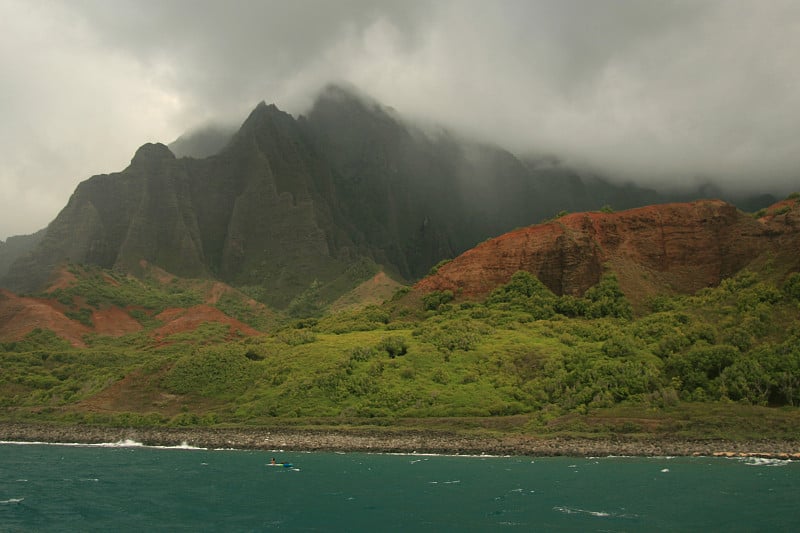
763,461
21,480
665,470
10,501
39,443
598,514
419,454
129,443
93,479
571,510
182,446
125,443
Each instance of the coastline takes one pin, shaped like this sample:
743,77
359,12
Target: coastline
404,441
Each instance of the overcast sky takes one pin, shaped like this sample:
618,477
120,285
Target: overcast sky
655,91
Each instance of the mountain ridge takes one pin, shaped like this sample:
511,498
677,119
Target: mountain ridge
292,204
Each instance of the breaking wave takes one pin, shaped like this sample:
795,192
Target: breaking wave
597,514
763,461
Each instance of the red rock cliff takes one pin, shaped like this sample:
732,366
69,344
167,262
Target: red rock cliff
657,249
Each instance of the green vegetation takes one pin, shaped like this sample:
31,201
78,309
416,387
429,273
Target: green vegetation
99,287
564,364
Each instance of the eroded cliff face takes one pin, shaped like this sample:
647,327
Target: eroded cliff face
250,215
670,248
293,204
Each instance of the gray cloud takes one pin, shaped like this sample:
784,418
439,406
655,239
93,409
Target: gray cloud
662,92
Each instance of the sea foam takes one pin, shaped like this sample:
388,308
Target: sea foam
571,510
763,461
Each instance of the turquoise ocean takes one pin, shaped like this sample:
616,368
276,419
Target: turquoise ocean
128,487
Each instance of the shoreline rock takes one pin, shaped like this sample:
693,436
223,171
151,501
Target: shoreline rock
405,441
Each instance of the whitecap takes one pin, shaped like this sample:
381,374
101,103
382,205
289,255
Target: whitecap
665,470
125,443
11,501
763,461
426,454
183,446
571,510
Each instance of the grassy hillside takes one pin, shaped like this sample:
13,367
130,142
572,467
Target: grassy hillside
725,361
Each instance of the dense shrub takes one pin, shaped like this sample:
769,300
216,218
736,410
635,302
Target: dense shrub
791,288
435,300
214,372
296,337
607,300
394,346
524,292
451,335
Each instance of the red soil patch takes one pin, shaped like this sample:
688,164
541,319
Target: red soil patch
19,316
218,289
178,320
111,281
115,322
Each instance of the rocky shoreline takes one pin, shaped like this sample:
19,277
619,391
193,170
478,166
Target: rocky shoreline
405,441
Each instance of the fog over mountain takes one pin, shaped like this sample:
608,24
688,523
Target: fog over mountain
667,94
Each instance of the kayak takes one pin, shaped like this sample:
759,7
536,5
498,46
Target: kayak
285,465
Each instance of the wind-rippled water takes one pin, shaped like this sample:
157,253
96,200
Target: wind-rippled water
134,488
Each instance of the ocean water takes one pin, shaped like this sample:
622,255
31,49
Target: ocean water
127,487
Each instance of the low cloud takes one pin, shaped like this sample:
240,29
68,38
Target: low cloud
668,93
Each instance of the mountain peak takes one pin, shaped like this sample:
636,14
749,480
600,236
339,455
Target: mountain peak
150,152
261,115
345,97
264,110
